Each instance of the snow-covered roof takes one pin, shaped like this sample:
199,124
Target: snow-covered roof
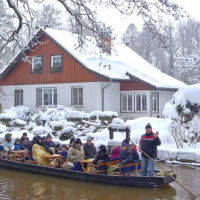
116,65
122,64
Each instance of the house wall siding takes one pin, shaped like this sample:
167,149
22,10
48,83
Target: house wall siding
135,85
92,95
163,98
72,72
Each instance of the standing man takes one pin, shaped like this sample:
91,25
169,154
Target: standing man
148,144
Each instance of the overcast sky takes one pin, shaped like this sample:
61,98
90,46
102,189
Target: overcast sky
112,17
191,6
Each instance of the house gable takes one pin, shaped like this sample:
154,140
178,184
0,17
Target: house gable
135,84
73,71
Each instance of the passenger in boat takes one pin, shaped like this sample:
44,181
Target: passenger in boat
39,152
63,152
7,144
148,144
115,152
125,157
24,138
134,152
76,152
18,145
89,149
49,145
101,155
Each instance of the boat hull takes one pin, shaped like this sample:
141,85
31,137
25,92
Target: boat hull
137,181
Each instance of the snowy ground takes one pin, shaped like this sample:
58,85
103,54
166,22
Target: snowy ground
167,151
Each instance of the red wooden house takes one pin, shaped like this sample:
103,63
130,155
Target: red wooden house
59,74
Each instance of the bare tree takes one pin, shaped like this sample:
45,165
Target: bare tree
49,16
84,14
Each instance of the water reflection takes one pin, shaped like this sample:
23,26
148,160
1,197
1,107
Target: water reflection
20,185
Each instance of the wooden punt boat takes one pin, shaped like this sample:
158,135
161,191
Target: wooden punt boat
137,181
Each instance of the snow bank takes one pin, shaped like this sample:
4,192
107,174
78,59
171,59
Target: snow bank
181,97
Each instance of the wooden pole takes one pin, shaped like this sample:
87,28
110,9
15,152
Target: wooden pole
165,171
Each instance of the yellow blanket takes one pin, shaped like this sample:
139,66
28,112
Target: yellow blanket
38,153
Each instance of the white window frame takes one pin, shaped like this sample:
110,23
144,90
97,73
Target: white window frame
79,103
41,91
141,102
126,95
33,64
52,58
154,102
19,97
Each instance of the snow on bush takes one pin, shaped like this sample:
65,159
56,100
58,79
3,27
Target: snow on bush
184,110
31,126
56,125
99,114
66,133
38,130
19,123
73,115
18,112
45,116
105,117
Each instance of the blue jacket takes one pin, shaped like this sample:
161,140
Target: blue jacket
17,147
125,156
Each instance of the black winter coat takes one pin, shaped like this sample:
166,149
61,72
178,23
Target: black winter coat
101,155
89,150
148,144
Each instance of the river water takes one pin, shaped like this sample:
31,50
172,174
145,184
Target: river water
23,185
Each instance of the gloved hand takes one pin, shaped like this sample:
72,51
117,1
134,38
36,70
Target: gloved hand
123,162
51,152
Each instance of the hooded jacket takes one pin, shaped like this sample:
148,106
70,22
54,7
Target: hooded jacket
101,155
75,154
115,152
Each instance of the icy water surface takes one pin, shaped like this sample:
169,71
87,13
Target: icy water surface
22,185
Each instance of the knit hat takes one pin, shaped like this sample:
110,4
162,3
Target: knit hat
102,147
89,138
126,145
148,126
48,135
78,141
126,141
24,134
